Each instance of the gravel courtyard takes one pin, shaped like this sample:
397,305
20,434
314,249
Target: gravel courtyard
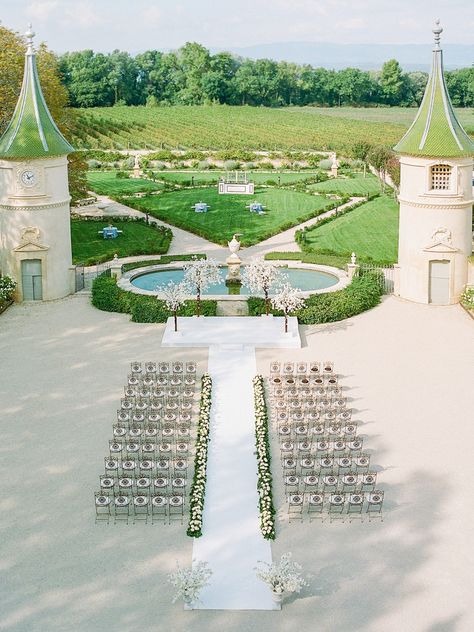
409,371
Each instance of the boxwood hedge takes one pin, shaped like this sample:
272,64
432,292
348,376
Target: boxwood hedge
362,294
107,296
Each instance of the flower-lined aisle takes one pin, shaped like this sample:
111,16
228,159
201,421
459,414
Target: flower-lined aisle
264,482
231,541
198,489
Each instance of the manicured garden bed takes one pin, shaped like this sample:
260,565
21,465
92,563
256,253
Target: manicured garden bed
107,183
137,238
205,177
371,231
355,186
228,213
321,258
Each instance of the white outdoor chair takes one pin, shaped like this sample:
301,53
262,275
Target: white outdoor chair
176,507
274,367
374,507
354,507
102,507
159,508
141,508
336,506
315,506
295,507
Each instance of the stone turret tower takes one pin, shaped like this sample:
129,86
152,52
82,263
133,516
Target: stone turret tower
35,234
435,235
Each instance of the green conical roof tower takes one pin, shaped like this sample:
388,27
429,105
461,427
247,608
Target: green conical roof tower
32,133
436,132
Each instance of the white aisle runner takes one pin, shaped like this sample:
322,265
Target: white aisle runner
232,542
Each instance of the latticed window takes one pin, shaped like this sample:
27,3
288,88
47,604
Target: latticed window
441,177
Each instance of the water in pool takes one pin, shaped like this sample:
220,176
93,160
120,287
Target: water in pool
305,280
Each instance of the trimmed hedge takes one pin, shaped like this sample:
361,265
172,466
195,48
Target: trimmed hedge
108,297
163,259
362,294
323,257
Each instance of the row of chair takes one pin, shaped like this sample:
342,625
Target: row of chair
139,507
328,481
336,505
152,368
301,368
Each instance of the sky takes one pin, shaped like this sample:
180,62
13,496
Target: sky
137,25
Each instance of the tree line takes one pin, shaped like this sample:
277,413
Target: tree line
191,75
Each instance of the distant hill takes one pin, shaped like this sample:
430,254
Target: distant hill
364,56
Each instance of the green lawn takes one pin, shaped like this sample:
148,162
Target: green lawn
371,231
349,186
228,213
106,183
205,177
88,246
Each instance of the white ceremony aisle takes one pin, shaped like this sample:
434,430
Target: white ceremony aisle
231,542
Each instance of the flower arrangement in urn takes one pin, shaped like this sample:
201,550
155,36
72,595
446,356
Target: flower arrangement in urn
282,577
190,581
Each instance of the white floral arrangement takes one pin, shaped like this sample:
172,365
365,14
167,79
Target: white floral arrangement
190,581
285,576
264,478
7,287
467,298
198,489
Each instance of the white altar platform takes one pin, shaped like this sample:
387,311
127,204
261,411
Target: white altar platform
264,332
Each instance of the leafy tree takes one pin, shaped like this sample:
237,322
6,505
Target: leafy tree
87,78
461,87
361,151
393,83
416,85
379,157
124,78
353,86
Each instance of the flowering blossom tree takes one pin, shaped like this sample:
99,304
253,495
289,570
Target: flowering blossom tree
287,299
260,276
199,274
174,295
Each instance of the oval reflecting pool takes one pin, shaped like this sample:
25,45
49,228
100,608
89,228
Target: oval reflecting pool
304,279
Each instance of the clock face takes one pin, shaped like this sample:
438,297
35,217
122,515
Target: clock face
28,178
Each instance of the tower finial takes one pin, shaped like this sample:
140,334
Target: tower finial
437,30
29,39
